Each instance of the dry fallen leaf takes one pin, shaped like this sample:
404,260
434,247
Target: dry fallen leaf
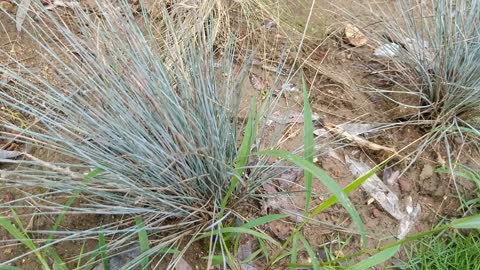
5,154
22,12
354,36
405,213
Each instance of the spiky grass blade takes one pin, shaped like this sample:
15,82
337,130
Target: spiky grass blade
437,54
308,145
161,125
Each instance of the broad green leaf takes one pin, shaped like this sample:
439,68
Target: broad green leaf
471,222
378,258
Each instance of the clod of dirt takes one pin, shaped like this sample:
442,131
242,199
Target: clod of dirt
376,213
280,229
405,185
7,6
427,172
354,36
289,177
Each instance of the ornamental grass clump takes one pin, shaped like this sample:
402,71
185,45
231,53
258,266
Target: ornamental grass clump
156,122
435,49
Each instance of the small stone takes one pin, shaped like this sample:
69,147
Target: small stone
427,172
459,140
339,254
354,36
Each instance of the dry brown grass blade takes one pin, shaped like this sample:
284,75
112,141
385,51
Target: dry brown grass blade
338,131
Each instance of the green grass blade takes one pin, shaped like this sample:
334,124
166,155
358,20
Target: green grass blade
308,145
91,262
252,256
82,249
263,220
241,230
24,239
244,153
472,222
264,249
59,263
311,253
70,202
230,259
293,258
8,267
351,187
18,222
143,239
103,251
376,259
327,181
247,141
